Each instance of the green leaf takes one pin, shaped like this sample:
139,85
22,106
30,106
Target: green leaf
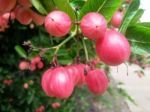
48,5
137,16
77,4
39,6
145,24
139,36
123,93
109,8
30,97
105,7
21,51
66,7
91,6
129,15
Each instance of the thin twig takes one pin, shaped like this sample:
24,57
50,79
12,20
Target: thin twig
85,50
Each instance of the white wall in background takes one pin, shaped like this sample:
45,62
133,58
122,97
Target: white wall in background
145,4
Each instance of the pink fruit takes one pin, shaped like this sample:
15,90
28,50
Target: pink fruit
93,25
36,60
36,63
113,49
57,23
40,65
9,15
61,84
97,81
82,68
40,109
95,61
117,19
25,3
77,73
46,81
7,5
32,66
25,85
37,18
57,82
74,73
3,23
7,82
23,15
55,105
24,65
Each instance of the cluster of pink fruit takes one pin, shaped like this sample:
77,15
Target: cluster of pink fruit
111,46
19,10
36,63
59,82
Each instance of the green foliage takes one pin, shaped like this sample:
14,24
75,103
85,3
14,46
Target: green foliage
139,36
137,33
15,97
105,7
21,51
125,95
129,15
137,17
39,6
77,4
66,7
48,5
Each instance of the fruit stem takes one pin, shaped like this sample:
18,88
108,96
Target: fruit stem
77,22
63,42
101,6
127,68
57,47
85,50
51,40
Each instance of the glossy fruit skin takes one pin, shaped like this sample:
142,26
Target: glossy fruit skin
77,72
61,84
117,19
7,5
93,25
82,69
24,65
57,23
9,15
97,81
23,15
45,82
73,72
113,49
58,83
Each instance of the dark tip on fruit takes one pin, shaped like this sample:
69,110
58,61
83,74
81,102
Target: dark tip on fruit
52,19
